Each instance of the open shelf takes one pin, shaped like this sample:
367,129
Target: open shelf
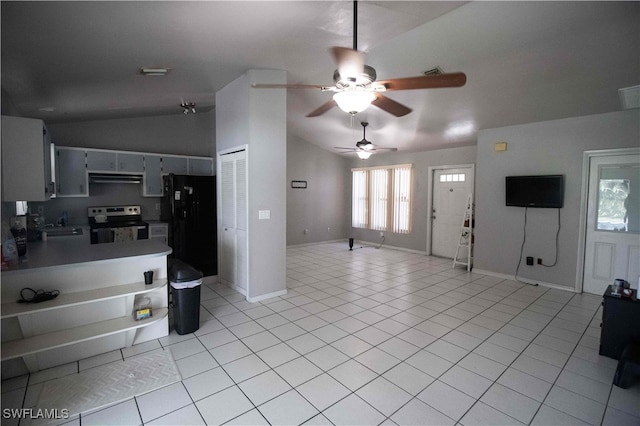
57,339
65,300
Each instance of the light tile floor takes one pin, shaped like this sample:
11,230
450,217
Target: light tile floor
377,337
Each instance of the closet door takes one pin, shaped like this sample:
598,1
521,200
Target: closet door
233,266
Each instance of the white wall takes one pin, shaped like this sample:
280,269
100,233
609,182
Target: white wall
324,206
417,239
257,118
183,134
550,147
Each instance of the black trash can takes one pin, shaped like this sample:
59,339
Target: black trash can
185,284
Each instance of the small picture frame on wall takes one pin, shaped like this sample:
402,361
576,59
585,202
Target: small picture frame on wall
299,184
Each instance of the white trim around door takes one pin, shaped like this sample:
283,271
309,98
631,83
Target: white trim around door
584,197
431,172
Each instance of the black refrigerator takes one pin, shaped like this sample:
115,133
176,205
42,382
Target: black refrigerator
189,206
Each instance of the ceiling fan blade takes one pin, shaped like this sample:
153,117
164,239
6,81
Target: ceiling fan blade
350,63
322,108
390,106
383,149
286,86
345,148
435,81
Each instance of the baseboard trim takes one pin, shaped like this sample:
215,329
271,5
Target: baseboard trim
266,296
375,245
524,280
316,243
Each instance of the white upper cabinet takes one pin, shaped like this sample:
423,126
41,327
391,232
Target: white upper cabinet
74,164
71,172
152,176
113,161
104,161
201,166
26,160
175,165
131,163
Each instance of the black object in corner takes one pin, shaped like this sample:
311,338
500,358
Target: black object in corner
37,296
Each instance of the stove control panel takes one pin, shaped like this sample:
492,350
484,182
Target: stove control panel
114,211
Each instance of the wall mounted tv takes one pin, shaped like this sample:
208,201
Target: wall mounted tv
546,191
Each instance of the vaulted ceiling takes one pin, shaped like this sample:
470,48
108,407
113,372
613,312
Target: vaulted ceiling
524,61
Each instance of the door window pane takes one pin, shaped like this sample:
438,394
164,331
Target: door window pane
453,177
619,199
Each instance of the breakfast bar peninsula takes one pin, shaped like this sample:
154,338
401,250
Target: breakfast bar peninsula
99,287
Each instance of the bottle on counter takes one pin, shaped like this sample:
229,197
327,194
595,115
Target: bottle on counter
20,236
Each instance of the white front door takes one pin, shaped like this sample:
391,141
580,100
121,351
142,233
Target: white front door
233,220
450,190
612,246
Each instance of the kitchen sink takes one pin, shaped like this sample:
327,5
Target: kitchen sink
62,232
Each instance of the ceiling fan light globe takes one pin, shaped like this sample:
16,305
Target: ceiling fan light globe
354,102
364,154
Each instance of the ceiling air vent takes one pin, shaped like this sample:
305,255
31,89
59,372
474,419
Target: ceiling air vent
434,71
630,97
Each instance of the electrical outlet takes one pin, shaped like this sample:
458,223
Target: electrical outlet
530,260
306,231
328,229
157,206
381,234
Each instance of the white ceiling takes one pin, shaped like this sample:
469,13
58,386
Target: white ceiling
524,61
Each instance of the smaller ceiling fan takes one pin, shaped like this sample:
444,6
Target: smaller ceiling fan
364,148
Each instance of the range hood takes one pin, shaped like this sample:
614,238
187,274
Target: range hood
114,178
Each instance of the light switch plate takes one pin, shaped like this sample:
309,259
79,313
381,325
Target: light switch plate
264,214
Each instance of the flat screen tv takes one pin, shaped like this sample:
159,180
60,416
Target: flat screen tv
545,191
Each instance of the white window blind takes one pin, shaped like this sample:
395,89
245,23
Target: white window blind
359,212
378,198
381,198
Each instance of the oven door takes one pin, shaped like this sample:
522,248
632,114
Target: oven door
117,234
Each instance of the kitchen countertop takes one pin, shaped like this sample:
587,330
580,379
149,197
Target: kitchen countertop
59,252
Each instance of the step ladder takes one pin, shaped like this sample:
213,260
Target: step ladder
464,251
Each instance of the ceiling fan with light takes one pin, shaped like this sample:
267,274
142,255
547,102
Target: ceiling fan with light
356,87
364,148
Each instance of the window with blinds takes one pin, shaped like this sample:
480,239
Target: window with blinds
381,198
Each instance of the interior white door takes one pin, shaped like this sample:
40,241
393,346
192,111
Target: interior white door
233,260
612,247
450,190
